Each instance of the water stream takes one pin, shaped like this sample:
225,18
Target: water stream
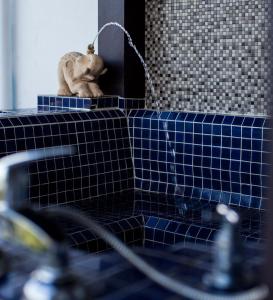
130,41
178,191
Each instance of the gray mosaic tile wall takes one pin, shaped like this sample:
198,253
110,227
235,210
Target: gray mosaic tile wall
208,55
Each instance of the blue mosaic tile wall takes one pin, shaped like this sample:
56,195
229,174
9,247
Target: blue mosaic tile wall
102,164
201,156
49,103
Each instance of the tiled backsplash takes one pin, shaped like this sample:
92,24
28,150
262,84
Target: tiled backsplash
209,56
212,157
194,161
102,164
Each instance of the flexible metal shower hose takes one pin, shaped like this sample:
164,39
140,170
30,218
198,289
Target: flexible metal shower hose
173,285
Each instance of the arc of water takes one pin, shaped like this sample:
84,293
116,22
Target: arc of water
149,79
131,43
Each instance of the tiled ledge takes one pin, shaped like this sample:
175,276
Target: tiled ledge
51,102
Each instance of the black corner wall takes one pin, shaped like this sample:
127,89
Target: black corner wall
125,75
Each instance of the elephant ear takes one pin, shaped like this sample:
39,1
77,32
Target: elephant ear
82,60
104,71
69,64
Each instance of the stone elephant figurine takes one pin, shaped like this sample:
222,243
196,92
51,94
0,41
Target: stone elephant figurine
78,75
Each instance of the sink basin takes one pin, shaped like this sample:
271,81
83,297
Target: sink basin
154,220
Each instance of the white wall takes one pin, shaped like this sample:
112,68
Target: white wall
6,65
47,29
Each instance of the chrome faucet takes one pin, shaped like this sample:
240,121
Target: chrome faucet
13,174
229,272
16,217
22,225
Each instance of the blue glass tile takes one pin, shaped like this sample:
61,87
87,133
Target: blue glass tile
215,196
154,117
40,100
204,233
7,122
207,150
226,130
199,118
245,189
139,113
255,202
246,143
188,138
258,122
216,151
193,231
236,131
164,115
245,167
216,130
235,166
162,224
216,141
132,113
189,127
248,121
236,154
73,102
148,114
182,229
198,128
46,100
190,117
238,121
256,156
246,155
236,143
218,119
226,142
216,183
181,116
209,118
216,163
207,128
228,120
247,133
66,102
173,115
188,180
256,145
171,126
207,140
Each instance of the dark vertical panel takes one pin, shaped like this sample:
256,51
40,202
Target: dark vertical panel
268,268
125,76
135,24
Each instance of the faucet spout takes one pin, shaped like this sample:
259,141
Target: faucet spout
13,175
19,223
